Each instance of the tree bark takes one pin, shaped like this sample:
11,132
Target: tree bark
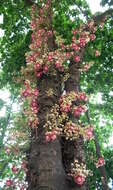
74,149
45,169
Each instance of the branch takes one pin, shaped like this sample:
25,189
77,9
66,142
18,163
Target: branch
29,2
99,18
98,152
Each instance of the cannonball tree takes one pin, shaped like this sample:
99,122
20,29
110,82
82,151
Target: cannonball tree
53,68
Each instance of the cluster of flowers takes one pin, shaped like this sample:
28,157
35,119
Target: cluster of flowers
66,102
79,172
71,130
80,39
51,126
30,94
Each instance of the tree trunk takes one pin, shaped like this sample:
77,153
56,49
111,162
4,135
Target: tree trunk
45,169
73,149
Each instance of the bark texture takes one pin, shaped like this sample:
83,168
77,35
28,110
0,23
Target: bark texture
73,149
45,169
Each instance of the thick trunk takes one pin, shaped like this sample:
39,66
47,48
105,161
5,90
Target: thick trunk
73,149
45,169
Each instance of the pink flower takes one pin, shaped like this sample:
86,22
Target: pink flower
83,97
97,53
39,74
34,103
82,42
58,64
63,46
89,133
74,32
86,67
50,57
50,33
50,136
75,47
92,37
65,108
79,179
53,137
77,58
37,66
9,182
26,93
45,69
100,162
76,113
35,92
67,54
14,169
79,110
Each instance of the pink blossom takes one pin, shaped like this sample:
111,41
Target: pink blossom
75,47
50,57
26,93
79,179
53,137
9,182
14,169
92,37
65,108
100,162
82,42
77,58
63,46
83,96
74,32
67,54
89,133
37,66
97,53
86,67
50,136
35,92
45,69
58,64
39,74
79,110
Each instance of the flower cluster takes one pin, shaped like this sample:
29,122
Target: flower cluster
79,172
100,162
52,124
30,95
66,101
78,110
71,130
